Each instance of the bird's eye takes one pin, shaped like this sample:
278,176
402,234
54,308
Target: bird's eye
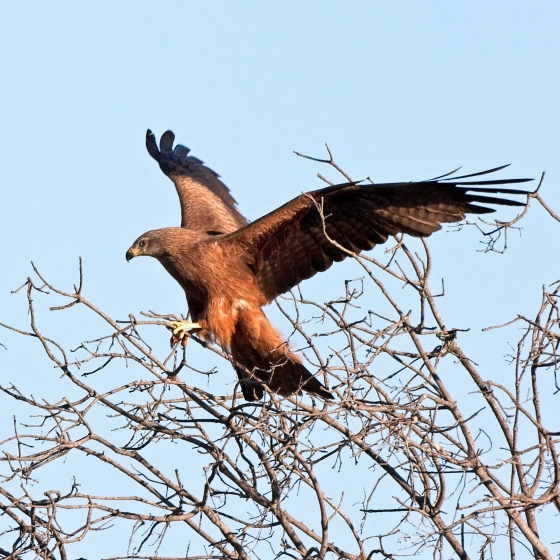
143,243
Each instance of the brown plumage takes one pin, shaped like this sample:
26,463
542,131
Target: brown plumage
230,269
206,203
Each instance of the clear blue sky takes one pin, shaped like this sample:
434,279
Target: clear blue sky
399,91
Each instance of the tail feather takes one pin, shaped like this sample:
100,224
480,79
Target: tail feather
261,357
285,378
251,388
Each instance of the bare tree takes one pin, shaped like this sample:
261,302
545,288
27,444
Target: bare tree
151,465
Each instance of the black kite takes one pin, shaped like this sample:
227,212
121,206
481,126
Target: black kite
229,268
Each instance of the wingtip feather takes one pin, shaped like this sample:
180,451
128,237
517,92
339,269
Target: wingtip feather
493,170
151,145
181,151
166,141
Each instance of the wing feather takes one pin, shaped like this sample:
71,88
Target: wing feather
289,245
206,203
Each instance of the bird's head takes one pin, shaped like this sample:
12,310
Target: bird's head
150,244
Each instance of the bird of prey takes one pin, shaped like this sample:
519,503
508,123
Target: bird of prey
229,268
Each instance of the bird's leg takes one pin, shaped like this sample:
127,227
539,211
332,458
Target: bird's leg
180,329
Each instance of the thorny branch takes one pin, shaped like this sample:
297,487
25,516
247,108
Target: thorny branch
199,473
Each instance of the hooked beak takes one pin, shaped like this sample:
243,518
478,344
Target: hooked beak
130,254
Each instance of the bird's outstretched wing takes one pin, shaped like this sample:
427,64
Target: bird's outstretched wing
206,203
309,233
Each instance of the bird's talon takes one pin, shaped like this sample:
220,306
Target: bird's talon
180,331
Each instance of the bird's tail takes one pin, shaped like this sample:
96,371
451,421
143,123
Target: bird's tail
262,357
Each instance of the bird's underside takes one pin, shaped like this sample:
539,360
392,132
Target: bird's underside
229,269
258,360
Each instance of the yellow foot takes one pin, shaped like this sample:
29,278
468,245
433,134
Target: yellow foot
180,330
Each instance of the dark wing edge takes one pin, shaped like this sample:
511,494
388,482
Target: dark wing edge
206,203
454,180
289,244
